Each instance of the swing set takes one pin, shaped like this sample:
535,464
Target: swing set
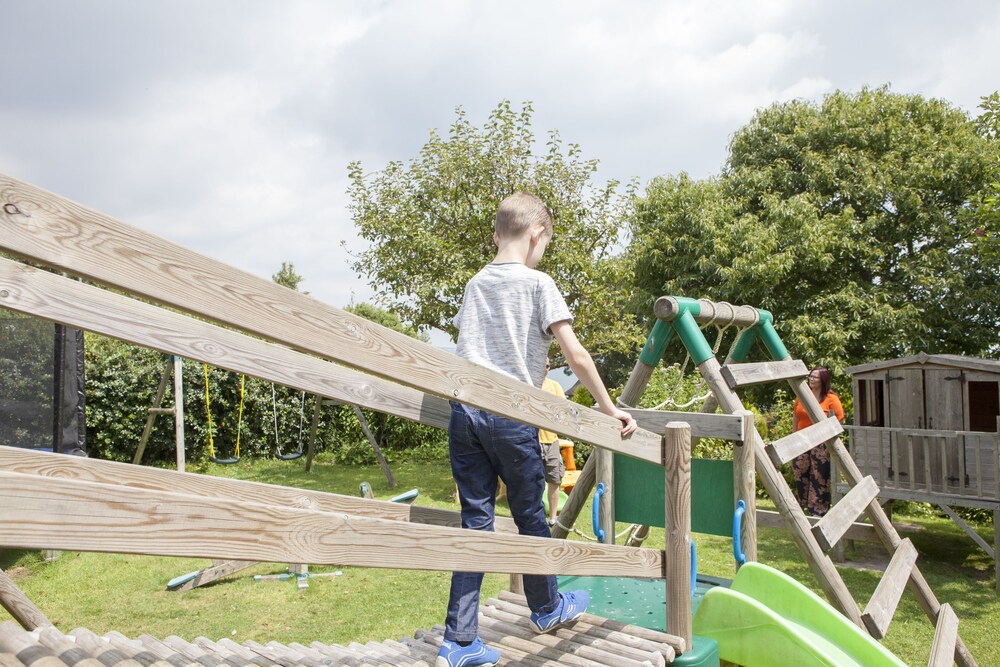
235,458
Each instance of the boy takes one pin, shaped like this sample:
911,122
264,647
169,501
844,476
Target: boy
506,322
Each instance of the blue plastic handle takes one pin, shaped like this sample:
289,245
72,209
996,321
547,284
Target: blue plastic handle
597,510
741,508
694,568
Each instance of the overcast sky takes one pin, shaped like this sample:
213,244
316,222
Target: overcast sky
227,126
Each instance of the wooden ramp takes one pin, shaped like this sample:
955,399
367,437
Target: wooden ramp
591,642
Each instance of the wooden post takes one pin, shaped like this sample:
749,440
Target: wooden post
20,607
153,411
378,452
677,508
179,411
745,486
313,428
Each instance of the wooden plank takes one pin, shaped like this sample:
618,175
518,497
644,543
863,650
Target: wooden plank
832,527
211,573
726,427
882,606
76,304
154,410
42,512
968,530
745,486
374,443
945,636
677,528
862,532
19,606
785,449
742,375
237,491
52,230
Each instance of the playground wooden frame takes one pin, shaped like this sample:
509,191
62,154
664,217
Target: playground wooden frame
293,340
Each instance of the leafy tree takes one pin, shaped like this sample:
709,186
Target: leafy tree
847,219
288,277
429,224
986,225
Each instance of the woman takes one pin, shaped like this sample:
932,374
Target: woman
812,469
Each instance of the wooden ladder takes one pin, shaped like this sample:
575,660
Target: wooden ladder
816,541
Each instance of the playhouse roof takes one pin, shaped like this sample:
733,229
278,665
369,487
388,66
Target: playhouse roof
924,359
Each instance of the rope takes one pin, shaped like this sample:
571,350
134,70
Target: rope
574,530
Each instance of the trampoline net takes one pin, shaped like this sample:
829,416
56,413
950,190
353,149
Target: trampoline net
27,365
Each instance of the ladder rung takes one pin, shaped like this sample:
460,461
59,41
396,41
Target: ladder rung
784,450
945,636
832,527
882,607
741,375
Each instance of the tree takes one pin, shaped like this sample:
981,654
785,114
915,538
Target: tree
287,277
847,219
429,224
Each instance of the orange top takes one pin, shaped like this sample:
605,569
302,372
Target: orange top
832,402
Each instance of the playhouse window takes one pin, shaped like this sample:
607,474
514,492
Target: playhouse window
870,402
984,406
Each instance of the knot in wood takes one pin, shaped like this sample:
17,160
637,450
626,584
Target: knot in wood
12,209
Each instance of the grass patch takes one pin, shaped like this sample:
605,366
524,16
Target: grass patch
106,592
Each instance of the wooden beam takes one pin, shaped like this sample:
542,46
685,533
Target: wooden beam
831,528
53,297
785,449
46,228
945,637
862,532
726,427
19,606
677,528
882,606
742,375
64,466
208,575
42,512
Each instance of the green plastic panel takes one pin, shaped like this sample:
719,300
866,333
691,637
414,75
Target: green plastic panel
639,494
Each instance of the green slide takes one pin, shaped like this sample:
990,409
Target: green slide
768,618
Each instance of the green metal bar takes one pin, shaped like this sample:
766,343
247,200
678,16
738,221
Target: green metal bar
656,343
770,338
691,336
741,351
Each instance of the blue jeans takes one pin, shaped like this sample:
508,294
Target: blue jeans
482,447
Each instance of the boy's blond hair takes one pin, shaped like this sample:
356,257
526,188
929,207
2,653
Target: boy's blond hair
519,212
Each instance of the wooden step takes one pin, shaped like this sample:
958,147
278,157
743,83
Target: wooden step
785,449
882,607
742,375
841,516
945,636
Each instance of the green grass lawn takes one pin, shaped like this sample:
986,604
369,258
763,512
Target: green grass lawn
127,593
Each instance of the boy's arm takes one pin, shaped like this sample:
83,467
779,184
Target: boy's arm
583,365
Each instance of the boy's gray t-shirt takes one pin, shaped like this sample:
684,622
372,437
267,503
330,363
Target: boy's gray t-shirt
505,318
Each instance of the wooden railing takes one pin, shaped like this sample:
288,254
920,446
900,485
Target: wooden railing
250,325
921,461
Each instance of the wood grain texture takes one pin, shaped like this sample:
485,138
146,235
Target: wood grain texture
785,449
841,516
43,512
726,427
19,606
882,606
63,466
53,297
743,375
945,638
677,527
55,231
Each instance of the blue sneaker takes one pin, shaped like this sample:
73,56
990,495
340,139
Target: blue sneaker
571,607
475,654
